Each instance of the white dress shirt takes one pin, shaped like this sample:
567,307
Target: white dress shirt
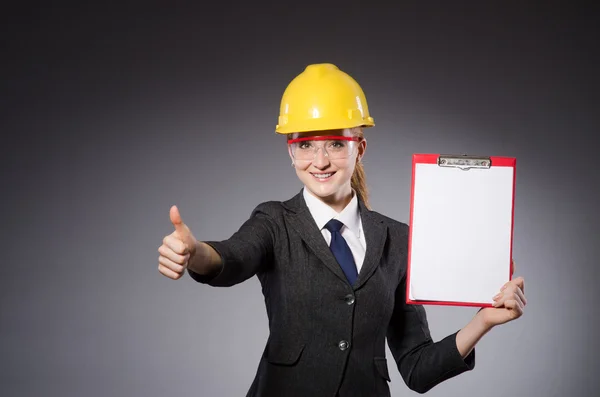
352,231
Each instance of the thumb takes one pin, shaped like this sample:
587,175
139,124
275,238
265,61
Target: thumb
180,227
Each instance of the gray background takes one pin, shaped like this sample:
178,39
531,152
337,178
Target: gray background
111,115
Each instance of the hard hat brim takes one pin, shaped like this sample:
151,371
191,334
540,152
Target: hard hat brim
322,125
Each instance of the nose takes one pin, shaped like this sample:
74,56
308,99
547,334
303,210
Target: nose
321,160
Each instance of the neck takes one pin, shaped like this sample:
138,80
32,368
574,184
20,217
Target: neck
337,201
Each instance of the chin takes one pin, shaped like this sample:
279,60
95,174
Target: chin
324,190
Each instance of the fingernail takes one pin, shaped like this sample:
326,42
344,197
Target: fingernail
497,296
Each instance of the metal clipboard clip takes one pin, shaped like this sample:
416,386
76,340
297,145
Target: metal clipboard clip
464,162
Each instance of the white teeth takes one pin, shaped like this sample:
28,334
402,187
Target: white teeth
323,176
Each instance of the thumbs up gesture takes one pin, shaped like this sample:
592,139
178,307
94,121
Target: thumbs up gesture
177,248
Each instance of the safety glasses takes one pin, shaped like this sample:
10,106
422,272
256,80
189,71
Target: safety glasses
334,147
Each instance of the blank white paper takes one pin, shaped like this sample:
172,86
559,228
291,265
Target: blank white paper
461,233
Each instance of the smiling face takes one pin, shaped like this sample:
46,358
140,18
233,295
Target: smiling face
325,177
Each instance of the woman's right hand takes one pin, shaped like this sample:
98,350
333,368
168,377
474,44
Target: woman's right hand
177,248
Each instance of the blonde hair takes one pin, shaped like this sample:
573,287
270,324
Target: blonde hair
358,182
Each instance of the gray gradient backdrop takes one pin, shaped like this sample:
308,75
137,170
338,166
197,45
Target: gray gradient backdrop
110,116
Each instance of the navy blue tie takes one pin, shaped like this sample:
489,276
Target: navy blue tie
341,251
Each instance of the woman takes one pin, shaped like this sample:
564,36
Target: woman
332,270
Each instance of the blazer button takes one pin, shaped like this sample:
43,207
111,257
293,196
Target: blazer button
343,345
349,299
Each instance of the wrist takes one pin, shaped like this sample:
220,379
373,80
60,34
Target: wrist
481,321
205,260
197,258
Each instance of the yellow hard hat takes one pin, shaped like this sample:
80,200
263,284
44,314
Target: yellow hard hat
322,97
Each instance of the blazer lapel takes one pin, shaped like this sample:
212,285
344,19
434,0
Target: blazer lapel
375,235
301,220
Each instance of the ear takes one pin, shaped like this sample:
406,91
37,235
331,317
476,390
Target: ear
362,148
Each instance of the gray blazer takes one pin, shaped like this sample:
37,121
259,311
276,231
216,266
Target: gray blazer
327,338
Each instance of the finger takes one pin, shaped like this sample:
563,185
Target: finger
177,222
516,297
521,295
175,257
502,292
497,300
169,273
506,293
513,305
519,282
175,244
169,264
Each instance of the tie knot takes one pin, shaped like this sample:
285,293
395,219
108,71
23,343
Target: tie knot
334,225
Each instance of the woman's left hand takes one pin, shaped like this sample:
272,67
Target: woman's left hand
509,303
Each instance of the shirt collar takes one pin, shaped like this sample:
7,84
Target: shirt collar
323,213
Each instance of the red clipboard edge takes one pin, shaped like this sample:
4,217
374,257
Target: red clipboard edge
497,161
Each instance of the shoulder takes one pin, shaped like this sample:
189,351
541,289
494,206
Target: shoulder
276,209
272,208
270,215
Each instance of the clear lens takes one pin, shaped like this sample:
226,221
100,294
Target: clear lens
334,149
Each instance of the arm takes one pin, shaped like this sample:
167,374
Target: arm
467,338
422,362
205,261
245,253
508,305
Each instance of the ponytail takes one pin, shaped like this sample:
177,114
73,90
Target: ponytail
358,182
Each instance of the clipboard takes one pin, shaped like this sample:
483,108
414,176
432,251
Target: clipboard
461,229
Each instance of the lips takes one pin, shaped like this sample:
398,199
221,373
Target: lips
322,176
